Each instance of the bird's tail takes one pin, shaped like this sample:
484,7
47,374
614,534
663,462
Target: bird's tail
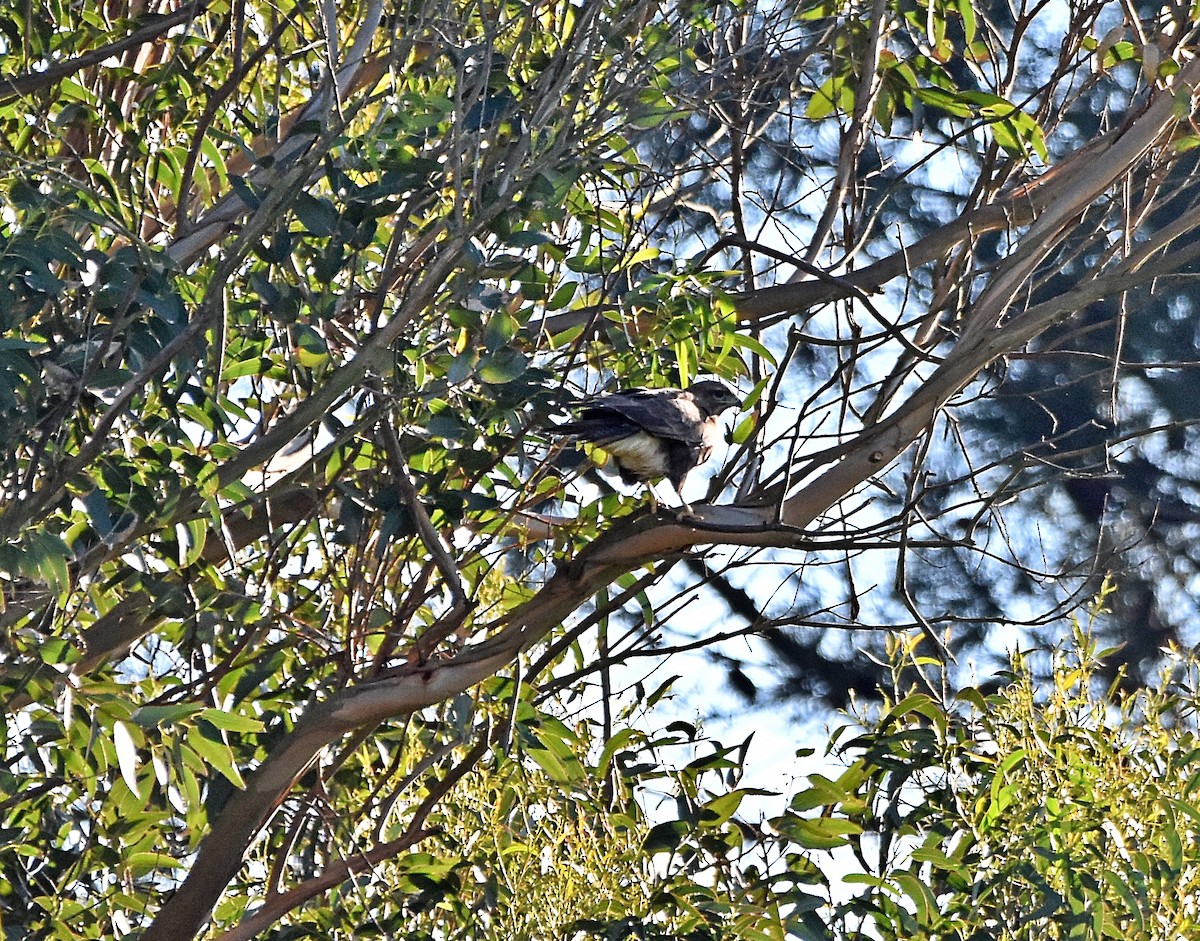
566,429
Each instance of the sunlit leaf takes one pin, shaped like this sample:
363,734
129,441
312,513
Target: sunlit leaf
127,755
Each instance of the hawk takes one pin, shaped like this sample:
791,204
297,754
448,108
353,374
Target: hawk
654,433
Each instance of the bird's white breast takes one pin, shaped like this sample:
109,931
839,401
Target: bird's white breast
641,454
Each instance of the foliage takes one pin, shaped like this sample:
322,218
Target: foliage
304,612
551,840
1059,811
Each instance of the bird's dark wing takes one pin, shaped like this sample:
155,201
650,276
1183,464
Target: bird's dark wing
598,425
663,413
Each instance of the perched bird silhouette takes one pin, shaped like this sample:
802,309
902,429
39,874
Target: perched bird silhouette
653,434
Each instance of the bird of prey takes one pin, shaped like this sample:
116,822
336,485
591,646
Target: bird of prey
654,433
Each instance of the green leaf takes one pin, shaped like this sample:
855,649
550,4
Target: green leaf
919,892
950,102
147,863
150,717
230,722
619,740
311,349
743,429
967,12
562,296
550,763
916,702
718,810
666,837
1133,908
503,366
127,756
254,366
244,191
836,94
498,330
317,215
754,347
527,238
44,555
217,754
96,504
684,356
821,832
934,856
821,792
190,537
58,651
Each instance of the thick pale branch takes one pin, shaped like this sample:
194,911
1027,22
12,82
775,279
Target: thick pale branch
876,447
414,688
1079,190
985,338
1049,201
248,810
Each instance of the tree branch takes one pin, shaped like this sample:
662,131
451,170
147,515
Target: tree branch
155,26
1061,195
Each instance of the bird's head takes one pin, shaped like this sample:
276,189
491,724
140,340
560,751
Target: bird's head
713,397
